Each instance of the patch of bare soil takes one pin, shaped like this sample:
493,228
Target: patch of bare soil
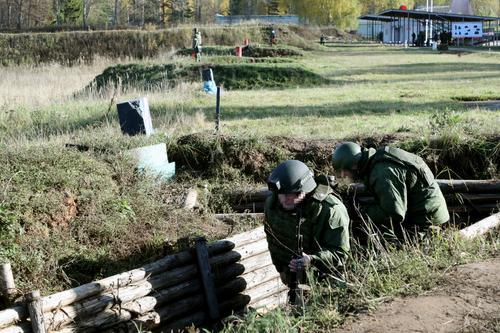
467,301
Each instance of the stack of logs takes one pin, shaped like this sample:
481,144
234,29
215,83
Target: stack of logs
480,197
169,293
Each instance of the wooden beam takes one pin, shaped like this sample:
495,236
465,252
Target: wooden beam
481,227
207,278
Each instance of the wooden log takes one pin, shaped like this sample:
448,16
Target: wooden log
24,327
481,227
10,316
172,261
191,200
7,284
252,207
34,301
67,314
13,315
151,318
446,185
468,208
469,186
199,318
236,216
143,305
472,198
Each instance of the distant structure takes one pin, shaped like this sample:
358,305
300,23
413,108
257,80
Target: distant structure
271,19
424,25
461,7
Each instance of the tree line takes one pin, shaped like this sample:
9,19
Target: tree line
56,14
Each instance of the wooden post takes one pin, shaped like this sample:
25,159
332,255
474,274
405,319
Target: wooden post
191,199
207,278
7,285
35,310
217,110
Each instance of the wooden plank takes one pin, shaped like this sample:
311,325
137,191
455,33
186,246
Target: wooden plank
260,276
248,237
481,227
265,289
271,302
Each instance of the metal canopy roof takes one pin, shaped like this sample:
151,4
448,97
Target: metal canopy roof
417,14
376,18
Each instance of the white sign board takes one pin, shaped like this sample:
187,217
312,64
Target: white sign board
467,29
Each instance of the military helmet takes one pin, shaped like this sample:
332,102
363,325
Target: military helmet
346,156
290,177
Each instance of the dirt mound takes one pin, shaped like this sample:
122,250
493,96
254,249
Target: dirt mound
248,51
467,301
231,76
209,155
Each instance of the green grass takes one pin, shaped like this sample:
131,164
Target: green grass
376,272
375,94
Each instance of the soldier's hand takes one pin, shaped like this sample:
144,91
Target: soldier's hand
301,263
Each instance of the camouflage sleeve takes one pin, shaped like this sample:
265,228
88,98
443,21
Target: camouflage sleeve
389,186
333,237
271,241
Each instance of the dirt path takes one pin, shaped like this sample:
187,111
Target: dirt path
468,301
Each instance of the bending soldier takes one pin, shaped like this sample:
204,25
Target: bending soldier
306,224
406,193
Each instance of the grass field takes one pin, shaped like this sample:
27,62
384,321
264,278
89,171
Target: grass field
375,90
69,217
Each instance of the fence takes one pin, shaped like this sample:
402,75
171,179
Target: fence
171,293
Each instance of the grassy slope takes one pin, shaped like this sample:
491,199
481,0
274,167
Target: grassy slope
376,90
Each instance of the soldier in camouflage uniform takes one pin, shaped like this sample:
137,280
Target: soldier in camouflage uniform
303,206
406,193
197,44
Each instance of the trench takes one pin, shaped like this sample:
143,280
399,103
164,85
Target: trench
223,160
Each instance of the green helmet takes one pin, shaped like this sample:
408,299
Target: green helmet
291,176
346,156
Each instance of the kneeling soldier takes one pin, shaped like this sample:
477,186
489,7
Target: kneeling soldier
306,224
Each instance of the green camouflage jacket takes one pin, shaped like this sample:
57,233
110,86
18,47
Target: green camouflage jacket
324,227
404,188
